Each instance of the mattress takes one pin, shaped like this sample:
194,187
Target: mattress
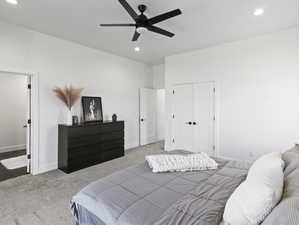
136,196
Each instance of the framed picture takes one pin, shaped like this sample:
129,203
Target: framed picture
92,109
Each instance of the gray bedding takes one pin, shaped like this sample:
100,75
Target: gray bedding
136,196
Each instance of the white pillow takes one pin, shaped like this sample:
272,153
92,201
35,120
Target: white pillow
255,198
185,162
268,170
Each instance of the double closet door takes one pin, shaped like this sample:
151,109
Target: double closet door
194,117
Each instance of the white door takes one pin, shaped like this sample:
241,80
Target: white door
204,114
28,126
183,117
147,120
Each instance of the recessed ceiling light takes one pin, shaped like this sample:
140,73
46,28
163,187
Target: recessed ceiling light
12,2
137,49
259,12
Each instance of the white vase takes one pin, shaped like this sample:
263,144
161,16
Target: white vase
69,117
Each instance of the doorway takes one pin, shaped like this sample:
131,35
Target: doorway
15,121
194,117
152,115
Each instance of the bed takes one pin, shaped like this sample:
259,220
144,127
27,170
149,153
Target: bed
136,196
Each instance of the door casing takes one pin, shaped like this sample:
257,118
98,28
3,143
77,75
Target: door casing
34,128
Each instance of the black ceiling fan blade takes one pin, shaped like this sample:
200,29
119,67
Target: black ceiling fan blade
165,16
118,25
129,9
160,31
136,36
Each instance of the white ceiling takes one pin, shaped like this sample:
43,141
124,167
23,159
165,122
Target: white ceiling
203,23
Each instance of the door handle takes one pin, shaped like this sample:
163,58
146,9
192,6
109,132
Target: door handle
194,123
142,119
189,123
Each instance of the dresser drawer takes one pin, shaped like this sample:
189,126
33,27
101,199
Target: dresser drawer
113,154
95,129
95,138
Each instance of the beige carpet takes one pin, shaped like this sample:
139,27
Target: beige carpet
44,199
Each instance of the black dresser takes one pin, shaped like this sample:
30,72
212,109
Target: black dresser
81,146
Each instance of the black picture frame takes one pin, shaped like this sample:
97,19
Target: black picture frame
92,109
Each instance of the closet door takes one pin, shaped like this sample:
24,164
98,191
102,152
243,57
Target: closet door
204,112
183,117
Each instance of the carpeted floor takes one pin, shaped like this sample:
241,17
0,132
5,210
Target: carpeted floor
6,174
44,199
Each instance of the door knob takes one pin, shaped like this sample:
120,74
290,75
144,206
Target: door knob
189,123
141,119
194,123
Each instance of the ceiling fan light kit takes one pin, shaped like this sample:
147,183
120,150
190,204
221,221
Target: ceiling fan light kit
141,30
142,23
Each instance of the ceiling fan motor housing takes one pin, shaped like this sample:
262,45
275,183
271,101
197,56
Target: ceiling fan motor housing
141,20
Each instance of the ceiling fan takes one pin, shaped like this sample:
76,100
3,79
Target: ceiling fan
142,23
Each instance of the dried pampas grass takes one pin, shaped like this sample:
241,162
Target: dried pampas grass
69,95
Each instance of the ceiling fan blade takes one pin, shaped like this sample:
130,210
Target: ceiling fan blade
165,16
118,25
136,36
160,31
129,9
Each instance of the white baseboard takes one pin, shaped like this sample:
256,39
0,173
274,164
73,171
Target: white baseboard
46,168
131,145
12,148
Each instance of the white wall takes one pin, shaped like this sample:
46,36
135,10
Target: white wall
257,91
159,76
160,114
159,84
58,62
13,111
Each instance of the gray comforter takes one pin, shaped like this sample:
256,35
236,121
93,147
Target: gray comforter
136,196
